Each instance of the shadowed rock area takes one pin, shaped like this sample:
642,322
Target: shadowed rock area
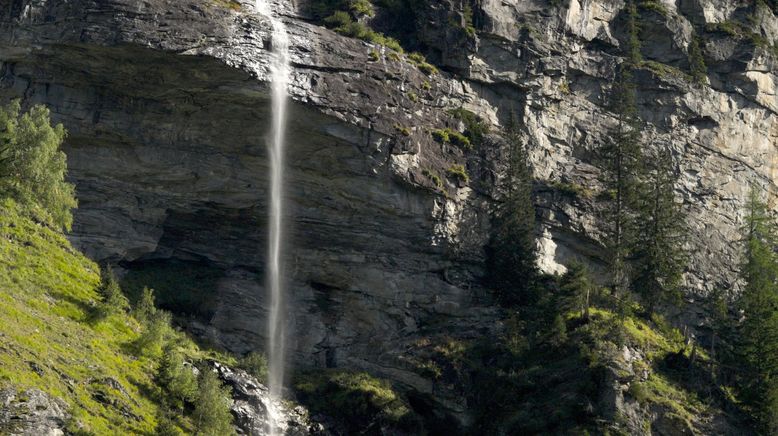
167,107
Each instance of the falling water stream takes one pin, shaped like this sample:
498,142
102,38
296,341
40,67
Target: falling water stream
279,76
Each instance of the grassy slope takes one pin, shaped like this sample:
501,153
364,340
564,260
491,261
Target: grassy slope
47,290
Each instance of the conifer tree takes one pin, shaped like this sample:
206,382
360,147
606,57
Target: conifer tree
576,289
111,295
697,62
512,249
757,345
145,307
659,258
622,161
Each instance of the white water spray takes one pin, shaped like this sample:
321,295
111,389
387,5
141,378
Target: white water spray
279,71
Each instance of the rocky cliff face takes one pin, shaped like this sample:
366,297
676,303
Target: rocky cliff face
167,107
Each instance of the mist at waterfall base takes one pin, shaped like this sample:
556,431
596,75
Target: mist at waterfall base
279,75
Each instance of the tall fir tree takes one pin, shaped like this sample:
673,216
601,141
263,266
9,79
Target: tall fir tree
512,250
621,163
659,256
576,290
757,344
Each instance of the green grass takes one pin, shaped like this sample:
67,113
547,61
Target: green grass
47,317
45,309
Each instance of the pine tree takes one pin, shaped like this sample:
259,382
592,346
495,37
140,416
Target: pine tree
757,344
621,158
575,290
512,250
32,168
156,331
621,175
145,308
212,407
111,295
659,258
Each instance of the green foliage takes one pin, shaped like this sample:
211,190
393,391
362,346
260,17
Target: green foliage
145,307
475,127
458,172
621,161
156,331
697,67
339,15
576,290
512,253
166,426
48,290
176,377
655,6
449,136
467,13
633,34
432,175
112,299
659,258
421,63
665,71
212,406
757,344
255,364
374,56
356,399
573,190
403,130
32,168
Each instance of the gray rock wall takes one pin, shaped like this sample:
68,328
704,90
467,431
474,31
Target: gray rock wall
167,105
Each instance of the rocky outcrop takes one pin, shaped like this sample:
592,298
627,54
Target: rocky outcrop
251,402
167,107
32,413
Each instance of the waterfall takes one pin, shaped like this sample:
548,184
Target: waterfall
279,75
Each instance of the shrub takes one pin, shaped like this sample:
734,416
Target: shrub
32,168
458,172
433,176
653,5
475,127
177,378
421,63
255,364
448,136
356,399
572,190
374,56
212,406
